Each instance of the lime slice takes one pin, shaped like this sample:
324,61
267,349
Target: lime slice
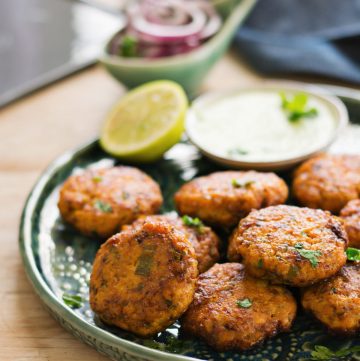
146,122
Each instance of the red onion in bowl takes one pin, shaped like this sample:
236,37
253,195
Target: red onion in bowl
213,21
159,33
164,12
162,28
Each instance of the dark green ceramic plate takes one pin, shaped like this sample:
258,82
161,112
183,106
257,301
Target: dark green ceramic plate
57,259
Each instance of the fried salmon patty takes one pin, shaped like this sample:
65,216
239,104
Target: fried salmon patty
328,181
205,242
223,198
233,311
336,302
98,202
144,278
351,216
290,245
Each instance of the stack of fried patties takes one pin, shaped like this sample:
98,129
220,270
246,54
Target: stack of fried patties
239,304
160,268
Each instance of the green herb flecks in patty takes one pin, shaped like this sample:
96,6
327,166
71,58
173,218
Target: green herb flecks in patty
245,303
241,184
103,206
312,256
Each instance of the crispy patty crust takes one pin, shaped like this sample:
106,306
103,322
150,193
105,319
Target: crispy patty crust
336,302
98,202
233,311
205,242
223,198
290,245
351,216
328,181
144,278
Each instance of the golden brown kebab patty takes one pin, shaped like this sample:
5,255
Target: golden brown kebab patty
232,310
223,198
290,245
351,216
144,278
328,181
205,242
98,202
336,302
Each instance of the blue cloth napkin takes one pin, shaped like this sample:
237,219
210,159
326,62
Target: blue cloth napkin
317,37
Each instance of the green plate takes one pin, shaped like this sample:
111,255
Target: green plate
57,259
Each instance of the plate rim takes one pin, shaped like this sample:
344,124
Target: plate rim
43,290
46,295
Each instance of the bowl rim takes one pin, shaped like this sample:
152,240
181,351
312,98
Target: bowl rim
241,10
340,115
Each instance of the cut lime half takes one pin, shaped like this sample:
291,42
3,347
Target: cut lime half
146,122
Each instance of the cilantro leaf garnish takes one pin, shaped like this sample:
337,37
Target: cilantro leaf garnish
72,301
128,46
353,254
97,179
239,184
245,303
296,108
324,353
102,206
312,256
193,222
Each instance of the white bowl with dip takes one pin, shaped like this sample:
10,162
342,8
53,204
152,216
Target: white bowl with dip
248,128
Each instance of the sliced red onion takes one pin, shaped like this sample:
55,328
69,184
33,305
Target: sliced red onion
152,51
213,20
164,28
159,33
164,12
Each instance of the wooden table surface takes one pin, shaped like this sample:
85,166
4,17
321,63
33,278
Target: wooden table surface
34,131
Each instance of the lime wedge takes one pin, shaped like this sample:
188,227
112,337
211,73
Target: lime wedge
146,122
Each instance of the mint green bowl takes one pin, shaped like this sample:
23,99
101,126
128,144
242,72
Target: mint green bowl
188,69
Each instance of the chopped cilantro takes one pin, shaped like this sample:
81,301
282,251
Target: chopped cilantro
145,261
245,303
296,108
193,222
72,301
238,184
353,254
260,263
128,47
324,353
103,206
97,179
312,256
